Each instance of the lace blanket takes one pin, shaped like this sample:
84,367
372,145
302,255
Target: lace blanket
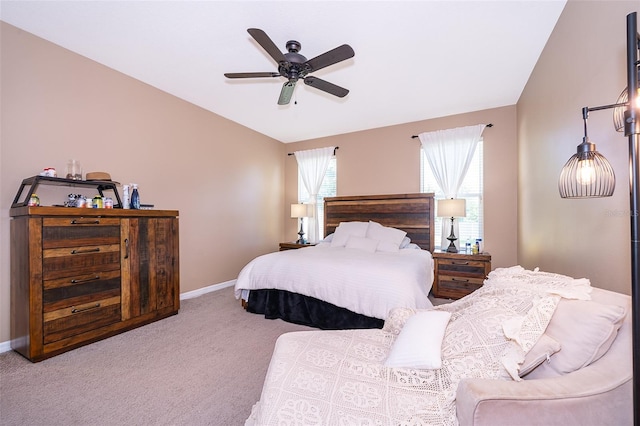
338,377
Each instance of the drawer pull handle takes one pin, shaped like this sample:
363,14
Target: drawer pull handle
85,222
74,281
126,246
458,280
459,263
77,311
93,250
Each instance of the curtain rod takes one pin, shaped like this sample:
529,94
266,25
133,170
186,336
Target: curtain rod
415,136
334,151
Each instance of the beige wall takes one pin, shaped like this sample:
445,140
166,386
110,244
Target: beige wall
225,179
583,64
387,161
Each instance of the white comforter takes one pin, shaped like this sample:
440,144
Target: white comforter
366,283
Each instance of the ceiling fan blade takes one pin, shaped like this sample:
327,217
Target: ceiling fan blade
325,86
251,74
331,57
267,44
286,92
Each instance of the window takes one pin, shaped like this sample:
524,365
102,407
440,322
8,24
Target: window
328,189
470,227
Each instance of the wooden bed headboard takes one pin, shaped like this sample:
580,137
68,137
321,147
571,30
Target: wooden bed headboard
412,213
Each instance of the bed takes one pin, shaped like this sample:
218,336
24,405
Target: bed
347,284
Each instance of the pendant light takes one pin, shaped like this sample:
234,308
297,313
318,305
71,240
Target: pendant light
588,173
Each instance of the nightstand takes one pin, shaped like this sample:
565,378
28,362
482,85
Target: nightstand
459,274
293,246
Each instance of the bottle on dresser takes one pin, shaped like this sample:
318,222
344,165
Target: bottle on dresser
125,197
135,197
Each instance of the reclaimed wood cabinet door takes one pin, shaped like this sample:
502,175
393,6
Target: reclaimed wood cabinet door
150,267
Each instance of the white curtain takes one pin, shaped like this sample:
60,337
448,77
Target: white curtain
312,166
449,153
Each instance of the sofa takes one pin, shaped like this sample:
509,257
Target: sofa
528,348
598,394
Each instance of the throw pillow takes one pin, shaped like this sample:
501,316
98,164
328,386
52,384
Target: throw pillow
419,344
585,329
541,352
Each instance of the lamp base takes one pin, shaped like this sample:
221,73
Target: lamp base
452,238
301,239
452,247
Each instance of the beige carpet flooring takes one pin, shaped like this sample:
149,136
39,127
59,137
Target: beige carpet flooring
204,366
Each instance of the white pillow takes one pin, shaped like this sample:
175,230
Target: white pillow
346,229
405,242
419,344
386,246
362,243
391,236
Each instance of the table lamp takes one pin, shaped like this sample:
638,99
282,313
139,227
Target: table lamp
452,208
300,211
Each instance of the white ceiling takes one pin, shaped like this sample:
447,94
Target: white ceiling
414,60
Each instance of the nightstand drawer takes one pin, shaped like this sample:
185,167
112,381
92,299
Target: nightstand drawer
455,287
461,266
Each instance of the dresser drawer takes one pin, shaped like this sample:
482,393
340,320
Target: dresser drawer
90,231
75,319
84,302
79,260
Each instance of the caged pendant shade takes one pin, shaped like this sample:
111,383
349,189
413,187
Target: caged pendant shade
621,111
587,174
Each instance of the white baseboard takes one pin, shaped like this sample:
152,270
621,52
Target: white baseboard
6,346
205,290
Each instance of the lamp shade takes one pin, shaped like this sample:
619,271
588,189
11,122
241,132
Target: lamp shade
619,113
452,207
587,174
300,210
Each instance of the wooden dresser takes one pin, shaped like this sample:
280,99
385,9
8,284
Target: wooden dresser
458,274
79,275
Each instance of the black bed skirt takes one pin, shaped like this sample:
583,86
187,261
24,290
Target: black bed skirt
299,309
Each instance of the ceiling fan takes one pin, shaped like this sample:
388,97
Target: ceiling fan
293,66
